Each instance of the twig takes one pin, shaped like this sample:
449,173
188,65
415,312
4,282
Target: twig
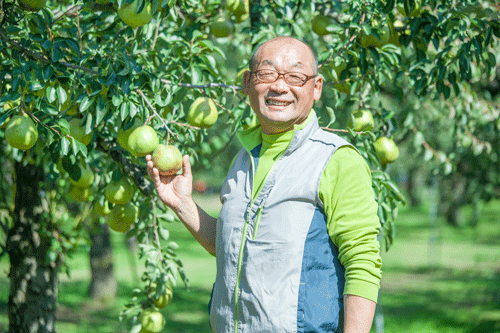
241,98
155,230
429,147
222,107
62,14
203,86
183,124
336,130
156,34
157,115
79,31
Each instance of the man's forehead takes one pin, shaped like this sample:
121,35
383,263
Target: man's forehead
296,53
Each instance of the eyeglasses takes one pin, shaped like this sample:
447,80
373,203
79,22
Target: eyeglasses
291,78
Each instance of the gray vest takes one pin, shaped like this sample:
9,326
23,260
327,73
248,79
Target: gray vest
277,269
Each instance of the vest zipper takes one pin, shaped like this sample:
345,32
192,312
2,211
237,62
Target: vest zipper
240,258
243,240
256,223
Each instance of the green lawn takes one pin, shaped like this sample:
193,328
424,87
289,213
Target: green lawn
450,285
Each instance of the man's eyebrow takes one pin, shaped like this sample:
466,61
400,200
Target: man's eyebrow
297,64
267,62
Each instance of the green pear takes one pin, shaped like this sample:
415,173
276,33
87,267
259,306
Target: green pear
21,132
202,113
167,159
143,141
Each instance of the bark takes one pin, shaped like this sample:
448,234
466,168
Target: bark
33,279
132,245
103,285
453,197
413,187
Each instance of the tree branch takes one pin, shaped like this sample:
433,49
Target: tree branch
135,172
41,57
203,86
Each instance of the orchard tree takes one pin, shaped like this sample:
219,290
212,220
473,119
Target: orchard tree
89,88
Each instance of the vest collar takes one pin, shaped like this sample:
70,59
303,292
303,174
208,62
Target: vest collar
252,137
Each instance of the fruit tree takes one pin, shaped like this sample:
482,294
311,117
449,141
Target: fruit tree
90,87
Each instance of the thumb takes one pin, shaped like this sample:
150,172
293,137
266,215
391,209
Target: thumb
186,166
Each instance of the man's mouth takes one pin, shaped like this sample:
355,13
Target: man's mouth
275,102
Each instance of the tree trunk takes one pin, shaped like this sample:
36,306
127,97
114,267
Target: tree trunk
103,285
413,187
33,279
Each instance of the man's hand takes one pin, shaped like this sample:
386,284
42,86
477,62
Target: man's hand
173,190
176,192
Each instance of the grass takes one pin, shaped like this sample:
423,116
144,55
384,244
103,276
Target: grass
440,279
436,279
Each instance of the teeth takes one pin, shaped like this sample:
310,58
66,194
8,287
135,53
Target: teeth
277,103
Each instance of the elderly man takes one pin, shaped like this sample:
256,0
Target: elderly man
296,239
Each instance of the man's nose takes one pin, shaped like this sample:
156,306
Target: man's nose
279,85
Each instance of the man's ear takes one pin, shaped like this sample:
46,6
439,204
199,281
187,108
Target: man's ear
246,82
318,87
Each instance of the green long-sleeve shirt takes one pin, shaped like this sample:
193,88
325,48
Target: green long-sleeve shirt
349,204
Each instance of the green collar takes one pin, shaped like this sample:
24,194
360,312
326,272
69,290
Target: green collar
253,136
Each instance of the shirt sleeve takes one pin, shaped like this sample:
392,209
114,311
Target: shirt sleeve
352,221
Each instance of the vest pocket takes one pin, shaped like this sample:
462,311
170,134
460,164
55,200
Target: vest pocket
269,286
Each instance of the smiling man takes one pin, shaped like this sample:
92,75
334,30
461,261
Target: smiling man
296,239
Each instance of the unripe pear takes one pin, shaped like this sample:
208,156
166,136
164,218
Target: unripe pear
221,27
21,132
80,194
119,192
202,113
128,14
86,177
363,121
167,159
143,141
320,23
32,5
122,217
162,300
152,321
384,32
386,150
123,135
103,209
77,131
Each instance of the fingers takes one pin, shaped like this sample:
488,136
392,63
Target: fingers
153,172
150,165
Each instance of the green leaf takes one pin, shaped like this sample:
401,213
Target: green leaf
100,111
47,44
65,146
163,233
63,125
61,94
71,168
51,94
85,103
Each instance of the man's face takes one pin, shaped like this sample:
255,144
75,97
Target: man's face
279,105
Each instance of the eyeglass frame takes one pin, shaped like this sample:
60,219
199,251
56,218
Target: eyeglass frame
308,77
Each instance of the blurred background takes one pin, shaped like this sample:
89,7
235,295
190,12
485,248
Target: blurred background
433,88
437,276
